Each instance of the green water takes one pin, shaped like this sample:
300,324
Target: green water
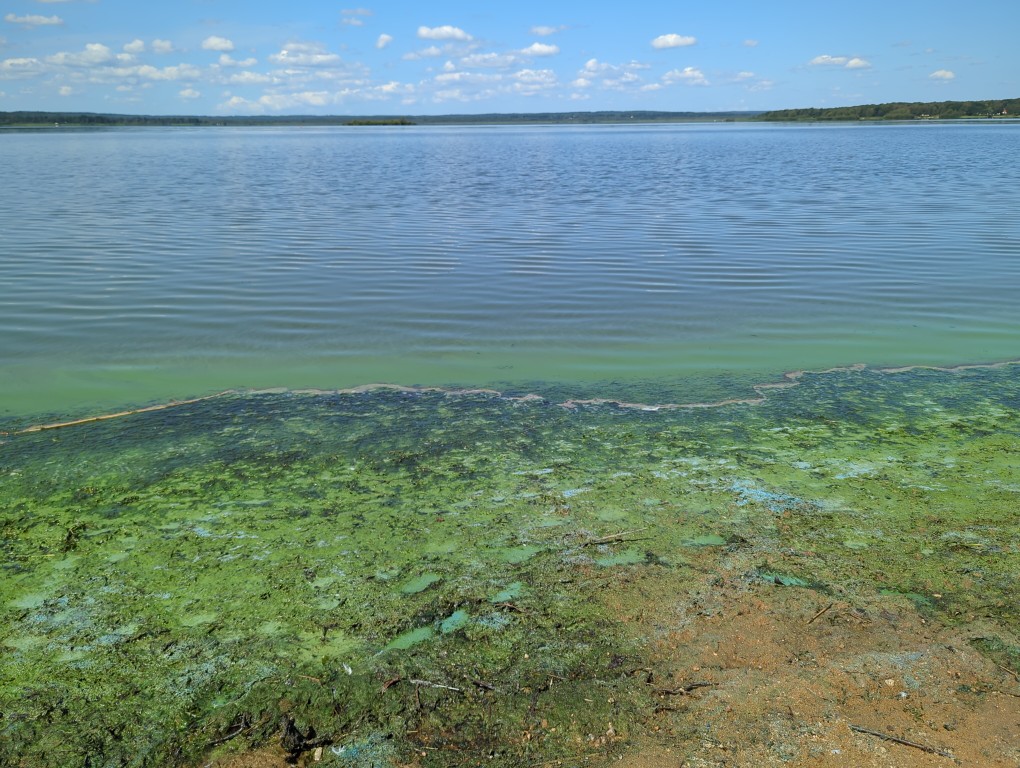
173,581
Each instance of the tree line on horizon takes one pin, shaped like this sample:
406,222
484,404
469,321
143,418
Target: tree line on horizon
917,110
900,110
93,119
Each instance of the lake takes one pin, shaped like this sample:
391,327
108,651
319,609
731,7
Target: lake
580,568
671,261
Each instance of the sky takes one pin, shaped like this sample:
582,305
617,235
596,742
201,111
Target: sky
396,57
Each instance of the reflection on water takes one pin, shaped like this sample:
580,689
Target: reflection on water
143,265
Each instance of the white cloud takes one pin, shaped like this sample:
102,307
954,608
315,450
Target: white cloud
215,43
687,76
447,78
942,74
751,43
352,21
545,77
543,31
355,12
226,60
249,78
541,49
383,40
65,90
162,46
744,76
846,62
189,93
426,53
529,82
304,55
93,55
179,72
497,60
33,20
673,41
652,87
445,32
828,61
135,46
21,67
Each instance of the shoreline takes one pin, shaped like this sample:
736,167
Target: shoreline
787,380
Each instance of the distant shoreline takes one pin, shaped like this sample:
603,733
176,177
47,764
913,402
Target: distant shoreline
1008,109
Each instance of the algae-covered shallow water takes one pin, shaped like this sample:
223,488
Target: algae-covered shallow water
418,575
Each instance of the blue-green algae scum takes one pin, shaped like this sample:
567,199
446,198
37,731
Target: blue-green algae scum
420,577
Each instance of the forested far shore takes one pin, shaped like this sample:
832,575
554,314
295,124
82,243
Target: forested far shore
93,119
899,110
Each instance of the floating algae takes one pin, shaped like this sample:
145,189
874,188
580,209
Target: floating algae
175,580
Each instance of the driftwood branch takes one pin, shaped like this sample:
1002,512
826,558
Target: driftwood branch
615,537
820,613
904,742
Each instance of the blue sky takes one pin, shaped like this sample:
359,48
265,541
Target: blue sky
453,56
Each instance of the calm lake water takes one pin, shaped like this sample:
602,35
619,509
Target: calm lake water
687,260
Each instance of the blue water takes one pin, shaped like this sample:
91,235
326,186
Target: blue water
139,265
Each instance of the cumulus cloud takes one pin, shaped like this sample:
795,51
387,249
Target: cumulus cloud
541,49
20,67
497,60
673,41
543,31
249,78
189,93
447,78
687,76
383,40
215,43
846,62
827,61
135,46
529,82
93,55
33,20
425,53
162,46
751,43
65,90
942,74
445,32
610,76
304,55
226,60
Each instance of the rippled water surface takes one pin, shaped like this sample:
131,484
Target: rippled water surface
140,265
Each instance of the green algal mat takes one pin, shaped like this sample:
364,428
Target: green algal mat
390,573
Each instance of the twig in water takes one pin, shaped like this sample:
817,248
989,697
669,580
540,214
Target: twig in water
904,742
819,614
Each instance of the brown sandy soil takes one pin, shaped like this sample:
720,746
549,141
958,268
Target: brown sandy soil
786,683
754,675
